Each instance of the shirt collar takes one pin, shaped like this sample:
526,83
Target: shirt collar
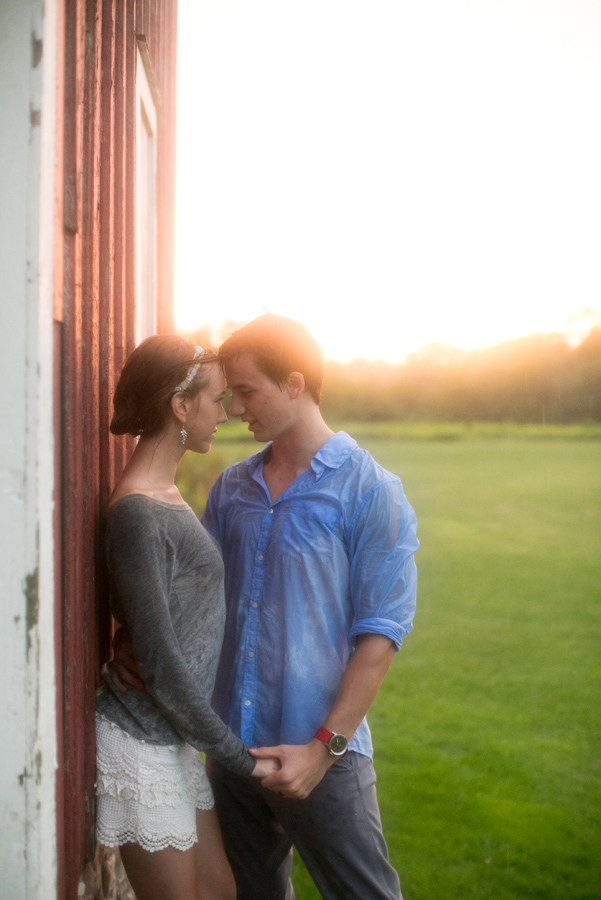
257,460
332,455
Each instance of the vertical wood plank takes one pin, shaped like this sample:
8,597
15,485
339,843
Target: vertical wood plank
58,607
106,336
119,227
71,443
89,412
130,179
57,393
166,169
96,281
138,16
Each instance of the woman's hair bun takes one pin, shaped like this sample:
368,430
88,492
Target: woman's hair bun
148,380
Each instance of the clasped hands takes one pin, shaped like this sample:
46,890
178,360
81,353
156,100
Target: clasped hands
290,770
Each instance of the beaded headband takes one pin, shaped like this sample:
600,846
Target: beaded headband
185,384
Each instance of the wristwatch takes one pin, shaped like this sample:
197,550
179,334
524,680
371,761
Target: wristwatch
337,744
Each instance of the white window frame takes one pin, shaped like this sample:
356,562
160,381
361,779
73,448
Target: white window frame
146,205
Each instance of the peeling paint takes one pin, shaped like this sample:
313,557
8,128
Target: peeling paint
32,602
37,45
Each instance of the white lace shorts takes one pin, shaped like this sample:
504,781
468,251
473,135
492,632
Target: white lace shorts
147,793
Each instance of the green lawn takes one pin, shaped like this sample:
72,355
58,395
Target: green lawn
486,729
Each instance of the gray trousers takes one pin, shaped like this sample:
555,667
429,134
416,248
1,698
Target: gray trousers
337,831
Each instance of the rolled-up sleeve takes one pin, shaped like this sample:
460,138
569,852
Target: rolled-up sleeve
383,577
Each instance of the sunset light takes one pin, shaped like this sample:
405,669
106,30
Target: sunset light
390,173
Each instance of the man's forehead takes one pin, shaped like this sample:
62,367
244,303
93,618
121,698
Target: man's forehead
238,384
241,370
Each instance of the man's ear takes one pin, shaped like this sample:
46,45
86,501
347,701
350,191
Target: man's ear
295,384
180,406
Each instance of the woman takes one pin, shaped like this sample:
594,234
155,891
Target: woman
166,577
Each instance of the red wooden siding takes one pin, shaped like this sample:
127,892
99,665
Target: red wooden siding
95,316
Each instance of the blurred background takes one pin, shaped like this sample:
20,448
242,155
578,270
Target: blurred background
419,183
394,174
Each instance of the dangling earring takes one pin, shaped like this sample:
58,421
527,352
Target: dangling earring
184,435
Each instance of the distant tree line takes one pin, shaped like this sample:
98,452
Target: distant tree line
540,378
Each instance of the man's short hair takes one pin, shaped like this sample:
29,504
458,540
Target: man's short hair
278,346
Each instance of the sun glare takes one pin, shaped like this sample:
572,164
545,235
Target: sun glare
390,174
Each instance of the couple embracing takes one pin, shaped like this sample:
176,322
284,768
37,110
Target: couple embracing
260,636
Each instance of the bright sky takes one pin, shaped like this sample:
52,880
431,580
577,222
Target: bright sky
390,172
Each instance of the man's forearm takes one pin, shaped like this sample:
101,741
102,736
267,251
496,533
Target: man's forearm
304,766
360,683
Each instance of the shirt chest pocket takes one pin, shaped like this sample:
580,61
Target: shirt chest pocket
315,522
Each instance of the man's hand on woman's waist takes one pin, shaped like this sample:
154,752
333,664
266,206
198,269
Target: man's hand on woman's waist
123,668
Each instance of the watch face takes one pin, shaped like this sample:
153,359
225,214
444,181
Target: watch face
338,743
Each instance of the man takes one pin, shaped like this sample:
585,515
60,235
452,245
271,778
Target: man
318,543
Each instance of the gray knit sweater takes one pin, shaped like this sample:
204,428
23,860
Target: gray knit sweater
166,579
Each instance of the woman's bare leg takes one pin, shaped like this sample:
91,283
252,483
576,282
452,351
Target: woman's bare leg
215,880
167,874
201,873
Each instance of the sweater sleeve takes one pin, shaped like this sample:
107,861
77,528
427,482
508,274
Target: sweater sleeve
141,560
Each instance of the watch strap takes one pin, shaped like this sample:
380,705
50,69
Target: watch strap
324,735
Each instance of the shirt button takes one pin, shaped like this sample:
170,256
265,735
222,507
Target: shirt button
247,702
270,512
251,654
255,605
261,558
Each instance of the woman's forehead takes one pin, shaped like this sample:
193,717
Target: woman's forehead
216,377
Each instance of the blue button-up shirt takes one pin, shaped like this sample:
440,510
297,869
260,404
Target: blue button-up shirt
330,559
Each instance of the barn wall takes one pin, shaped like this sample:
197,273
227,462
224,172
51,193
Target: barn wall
28,41
94,329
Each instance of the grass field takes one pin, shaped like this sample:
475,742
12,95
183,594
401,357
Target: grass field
486,730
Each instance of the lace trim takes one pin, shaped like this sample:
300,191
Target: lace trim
151,843
150,774
149,785
150,795
147,793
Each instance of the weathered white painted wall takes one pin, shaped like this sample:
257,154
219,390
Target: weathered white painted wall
27,726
